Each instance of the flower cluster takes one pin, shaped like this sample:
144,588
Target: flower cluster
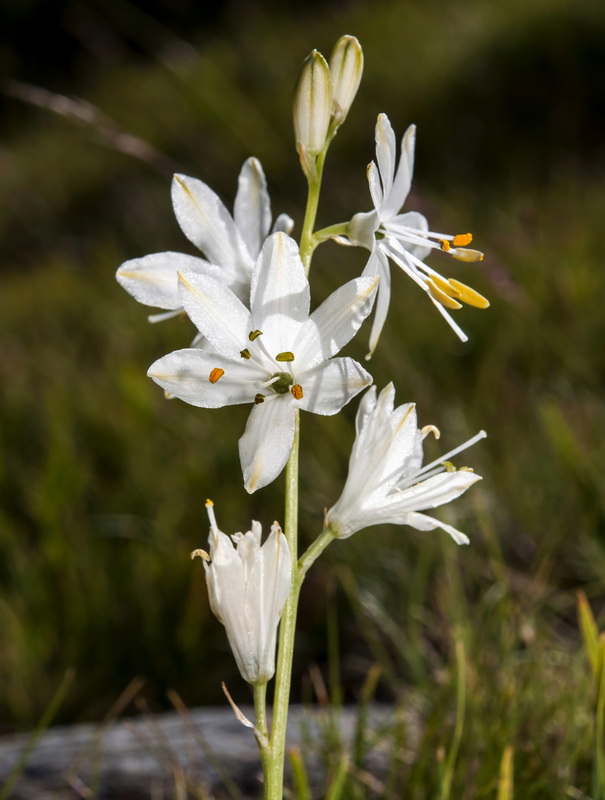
260,344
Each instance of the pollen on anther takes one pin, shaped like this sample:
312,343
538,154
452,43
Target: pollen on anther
216,373
296,391
462,239
254,335
445,245
259,398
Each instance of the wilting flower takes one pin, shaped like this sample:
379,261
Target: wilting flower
248,585
405,238
231,244
386,481
274,355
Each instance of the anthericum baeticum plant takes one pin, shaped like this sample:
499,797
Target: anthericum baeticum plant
259,343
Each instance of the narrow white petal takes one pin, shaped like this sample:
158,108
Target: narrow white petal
279,294
266,443
216,312
378,264
186,375
153,279
283,223
422,522
206,222
433,492
336,321
330,386
252,209
375,187
385,155
366,405
403,178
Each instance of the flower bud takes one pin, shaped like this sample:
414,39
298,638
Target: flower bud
312,107
346,67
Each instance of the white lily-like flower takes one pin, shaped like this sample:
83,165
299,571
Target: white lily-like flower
386,480
231,244
248,585
406,238
274,355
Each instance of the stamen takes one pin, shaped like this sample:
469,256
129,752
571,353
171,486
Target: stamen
254,335
216,373
445,245
244,353
440,296
259,398
201,553
468,295
287,356
297,392
445,286
211,517
462,239
454,452
464,254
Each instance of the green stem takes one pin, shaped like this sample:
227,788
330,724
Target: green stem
273,763
340,229
307,243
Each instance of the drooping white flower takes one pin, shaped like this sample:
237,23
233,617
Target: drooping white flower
248,585
406,239
386,480
274,355
231,244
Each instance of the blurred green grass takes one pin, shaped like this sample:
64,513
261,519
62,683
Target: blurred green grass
102,481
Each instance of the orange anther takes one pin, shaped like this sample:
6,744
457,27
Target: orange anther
297,391
216,373
463,239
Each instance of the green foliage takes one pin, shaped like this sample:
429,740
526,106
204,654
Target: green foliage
103,481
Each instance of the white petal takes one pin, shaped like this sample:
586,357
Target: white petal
252,210
330,386
206,222
433,491
366,405
216,312
266,443
378,264
375,187
403,178
153,279
385,155
283,223
279,294
336,321
422,522
186,375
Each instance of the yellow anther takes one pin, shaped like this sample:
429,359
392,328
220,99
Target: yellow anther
440,296
462,239
209,502
287,356
254,335
449,467
465,254
431,429
445,245
244,353
259,398
468,295
445,286
297,392
201,553
216,373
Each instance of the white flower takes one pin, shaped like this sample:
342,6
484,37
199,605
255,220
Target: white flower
248,585
231,244
386,481
405,238
275,355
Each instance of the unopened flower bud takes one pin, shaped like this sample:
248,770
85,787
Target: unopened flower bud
312,107
346,67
